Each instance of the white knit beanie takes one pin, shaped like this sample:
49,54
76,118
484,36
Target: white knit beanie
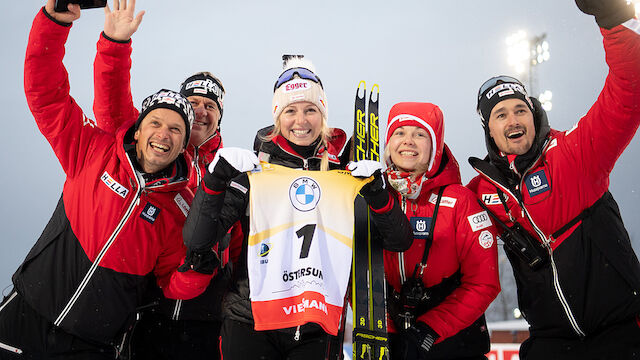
298,89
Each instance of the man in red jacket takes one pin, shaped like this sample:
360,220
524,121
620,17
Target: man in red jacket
124,202
173,328
578,278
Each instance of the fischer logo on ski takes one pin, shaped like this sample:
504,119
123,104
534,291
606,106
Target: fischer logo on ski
370,339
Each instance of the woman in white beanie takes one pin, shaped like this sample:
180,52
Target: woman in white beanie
287,294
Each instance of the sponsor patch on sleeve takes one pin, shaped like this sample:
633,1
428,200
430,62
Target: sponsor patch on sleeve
182,204
113,185
491,199
444,201
485,239
479,221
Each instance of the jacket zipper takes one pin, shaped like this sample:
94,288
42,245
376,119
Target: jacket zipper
197,166
94,266
556,281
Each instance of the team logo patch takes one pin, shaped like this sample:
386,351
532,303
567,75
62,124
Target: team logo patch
150,213
420,226
114,185
537,183
304,194
479,221
485,239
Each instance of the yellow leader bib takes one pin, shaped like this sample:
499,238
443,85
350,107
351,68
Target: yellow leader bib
300,240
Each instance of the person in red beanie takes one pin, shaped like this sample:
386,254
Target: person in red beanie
441,286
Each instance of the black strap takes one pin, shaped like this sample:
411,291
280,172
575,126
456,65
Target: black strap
429,240
493,216
585,213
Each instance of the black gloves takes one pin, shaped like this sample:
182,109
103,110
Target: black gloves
608,13
375,192
227,164
203,261
418,342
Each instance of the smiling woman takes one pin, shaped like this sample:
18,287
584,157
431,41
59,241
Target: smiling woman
452,262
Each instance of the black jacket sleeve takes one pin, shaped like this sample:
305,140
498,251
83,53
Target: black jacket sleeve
212,213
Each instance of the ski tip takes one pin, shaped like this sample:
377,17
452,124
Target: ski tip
375,93
361,91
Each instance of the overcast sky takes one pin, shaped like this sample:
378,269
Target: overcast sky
434,51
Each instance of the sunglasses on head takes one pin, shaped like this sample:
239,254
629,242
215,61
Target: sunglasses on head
301,72
495,81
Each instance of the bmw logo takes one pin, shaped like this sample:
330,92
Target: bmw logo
304,194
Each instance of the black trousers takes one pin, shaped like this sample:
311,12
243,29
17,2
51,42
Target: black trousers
239,341
24,334
156,337
617,342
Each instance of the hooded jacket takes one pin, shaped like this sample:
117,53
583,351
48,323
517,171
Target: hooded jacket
560,197
464,238
110,230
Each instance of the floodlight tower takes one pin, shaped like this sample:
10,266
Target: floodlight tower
524,54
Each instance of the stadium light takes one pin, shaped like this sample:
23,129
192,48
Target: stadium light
518,51
545,100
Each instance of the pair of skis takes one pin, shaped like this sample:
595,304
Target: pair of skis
370,339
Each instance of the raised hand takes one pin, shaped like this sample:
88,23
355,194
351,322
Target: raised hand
69,16
120,24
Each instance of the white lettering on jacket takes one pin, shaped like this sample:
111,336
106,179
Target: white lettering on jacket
182,204
114,185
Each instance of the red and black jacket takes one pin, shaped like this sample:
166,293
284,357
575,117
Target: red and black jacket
593,277
110,230
113,107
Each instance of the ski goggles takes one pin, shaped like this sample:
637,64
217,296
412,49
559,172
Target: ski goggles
495,81
301,72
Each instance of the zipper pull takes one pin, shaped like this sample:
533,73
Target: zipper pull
305,165
296,336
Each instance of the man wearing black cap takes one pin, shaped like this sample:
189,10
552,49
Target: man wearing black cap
124,202
577,276
168,329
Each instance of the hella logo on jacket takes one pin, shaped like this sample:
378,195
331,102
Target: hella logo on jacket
114,185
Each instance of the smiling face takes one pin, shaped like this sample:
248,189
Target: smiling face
511,126
160,139
207,119
410,149
301,123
